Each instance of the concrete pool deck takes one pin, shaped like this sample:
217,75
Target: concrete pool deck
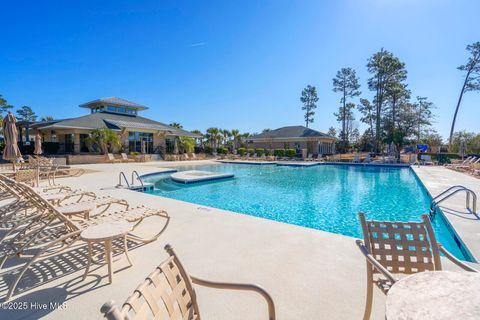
310,274
467,225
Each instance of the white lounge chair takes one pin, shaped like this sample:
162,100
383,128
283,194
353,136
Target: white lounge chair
112,159
125,158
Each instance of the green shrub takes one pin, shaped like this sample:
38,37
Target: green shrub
2,146
444,158
242,151
208,149
250,151
259,151
268,152
279,152
291,153
222,150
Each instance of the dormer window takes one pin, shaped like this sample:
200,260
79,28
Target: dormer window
114,105
114,109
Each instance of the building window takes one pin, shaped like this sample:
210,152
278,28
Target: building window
69,145
115,109
169,145
135,141
83,144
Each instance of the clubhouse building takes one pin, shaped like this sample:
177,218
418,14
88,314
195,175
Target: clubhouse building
295,137
119,115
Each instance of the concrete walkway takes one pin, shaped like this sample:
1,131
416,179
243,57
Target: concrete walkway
310,274
467,225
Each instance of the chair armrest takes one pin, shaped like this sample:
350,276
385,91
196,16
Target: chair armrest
374,262
452,258
239,286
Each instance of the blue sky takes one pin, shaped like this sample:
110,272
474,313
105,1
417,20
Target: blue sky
231,64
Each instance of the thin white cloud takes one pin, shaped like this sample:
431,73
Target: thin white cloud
197,44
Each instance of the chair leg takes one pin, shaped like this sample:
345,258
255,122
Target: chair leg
369,300
125,249
89,259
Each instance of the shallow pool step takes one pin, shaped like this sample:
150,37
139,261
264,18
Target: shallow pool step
146,186
192,176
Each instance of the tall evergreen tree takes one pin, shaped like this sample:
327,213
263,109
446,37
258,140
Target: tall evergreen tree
4,106
396,92
472,79
423,116
47,118
309,99
345,116
332,132
367,109
26,113
386,70
345,82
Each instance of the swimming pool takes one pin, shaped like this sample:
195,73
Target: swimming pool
323,197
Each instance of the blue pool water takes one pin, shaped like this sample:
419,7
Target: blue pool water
324,197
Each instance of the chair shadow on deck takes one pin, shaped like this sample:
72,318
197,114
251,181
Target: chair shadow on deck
54,268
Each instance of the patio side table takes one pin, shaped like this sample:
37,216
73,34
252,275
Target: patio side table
435,295
106,233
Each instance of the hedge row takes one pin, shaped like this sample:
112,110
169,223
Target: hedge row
291,153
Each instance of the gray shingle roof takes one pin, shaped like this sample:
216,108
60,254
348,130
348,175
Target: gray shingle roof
289,132
113,121
184,133
137,125
115,101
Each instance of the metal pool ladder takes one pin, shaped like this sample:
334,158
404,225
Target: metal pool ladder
452,191
135,173
122,175
132,184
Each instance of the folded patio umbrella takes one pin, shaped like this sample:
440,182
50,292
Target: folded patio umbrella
463,149
144,147
38,145
10,134
175,146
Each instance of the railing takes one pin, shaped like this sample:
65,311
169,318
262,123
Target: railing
124,178
135,173
452,191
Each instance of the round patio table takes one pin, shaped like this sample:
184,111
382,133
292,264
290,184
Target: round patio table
106,233
435,295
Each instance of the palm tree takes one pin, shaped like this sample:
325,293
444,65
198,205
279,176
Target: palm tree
245,136
213,137
176,125
226,135
236,137
104,140
198,140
